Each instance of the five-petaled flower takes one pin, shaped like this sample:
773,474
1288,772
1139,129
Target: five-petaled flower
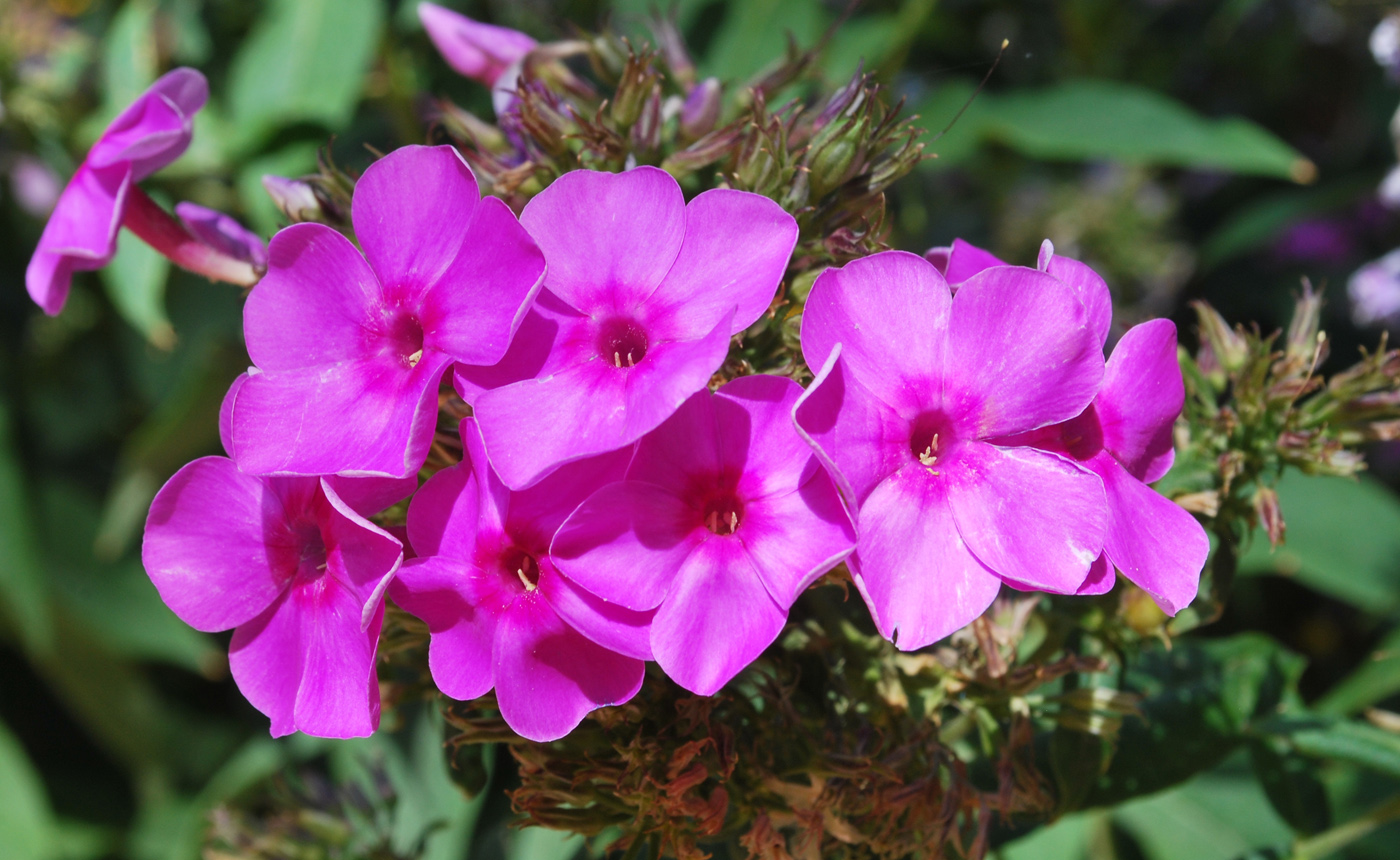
642,296
500,613
349,349
724,519
914,387
81,234
293,566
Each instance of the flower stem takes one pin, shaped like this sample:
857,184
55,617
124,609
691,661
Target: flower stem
159,229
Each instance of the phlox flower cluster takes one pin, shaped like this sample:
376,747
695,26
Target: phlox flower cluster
613,505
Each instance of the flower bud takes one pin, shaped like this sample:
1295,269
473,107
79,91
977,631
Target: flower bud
295,198
837,154
223,234
707,150
646,134
475,50
636,86
1228,345
1267,510
678,60
1303,343
701,109
464,125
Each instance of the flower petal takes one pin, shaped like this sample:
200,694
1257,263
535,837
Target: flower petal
532,427
226,413
717,619
1141,397
437,591
609,238
736,249
156,128
306,663
760,435
859,438
794,538
361,555
313,305
81,234
890,311
215,547
1101,577
473,49
411,211
1029,516
626,543
549,676
918,576
1025,356
532,353
475,307
369,496
966,259
614,627
442,517
1087,286
1153,540
366,418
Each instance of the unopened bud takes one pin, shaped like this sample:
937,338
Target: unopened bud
646,134
1302,344
465,125
701,109
636,86
668,36
296,199
608,55
222,233
1227,344
707,150
1266,509
837,156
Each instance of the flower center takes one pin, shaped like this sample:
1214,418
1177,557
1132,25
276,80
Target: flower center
929,438
405,336
312,563
524,566
622,342
723,515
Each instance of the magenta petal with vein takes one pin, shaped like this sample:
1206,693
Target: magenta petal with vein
295,570
499,612
913,399
642,295
350,349
81,234
475,50
724,518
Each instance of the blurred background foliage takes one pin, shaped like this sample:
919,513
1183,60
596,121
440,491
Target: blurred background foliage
1184,148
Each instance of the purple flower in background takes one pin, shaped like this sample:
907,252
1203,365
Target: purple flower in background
293,566
1125,437
81,234
725,517
483,52
35,186
223,233
914,384
1374,290
1385,45
642,296
350,349
500,614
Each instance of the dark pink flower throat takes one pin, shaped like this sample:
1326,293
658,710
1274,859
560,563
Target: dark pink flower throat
723,515
623,342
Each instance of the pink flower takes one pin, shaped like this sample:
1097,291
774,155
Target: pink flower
293,566
914,386
482,52
960,261
223,233
1125,437
724,519
500,613
350,349
642,296
81,234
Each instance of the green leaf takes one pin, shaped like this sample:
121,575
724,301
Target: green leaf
130,61
755,33
1343,540
1085,119
305,61
22,590
1199,700
1346,740
27,829
135,282
1067,839
541,843
1216,816
1290,781
1376,679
